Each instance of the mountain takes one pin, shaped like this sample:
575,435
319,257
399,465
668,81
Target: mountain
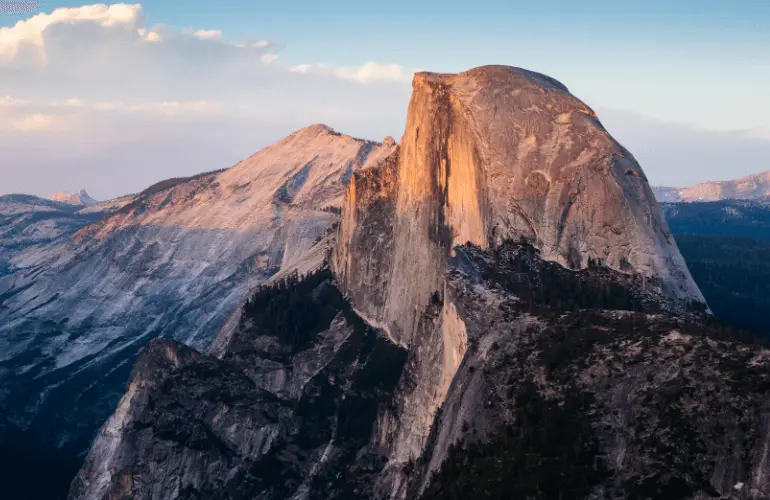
28,223
503,313
174,261
82,198
751,187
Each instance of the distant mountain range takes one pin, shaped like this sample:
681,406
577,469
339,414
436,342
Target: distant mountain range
751,187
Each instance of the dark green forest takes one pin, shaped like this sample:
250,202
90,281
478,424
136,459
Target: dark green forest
727,247
734,275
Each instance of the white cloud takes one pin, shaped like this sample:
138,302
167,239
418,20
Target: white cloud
9,101
153,36
73,101
166,107
108,89
268,57
759,133
34,123
208,34
163,107
30,32
372,71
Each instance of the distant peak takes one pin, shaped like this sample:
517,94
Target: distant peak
323,131
389,141
81,198
317,129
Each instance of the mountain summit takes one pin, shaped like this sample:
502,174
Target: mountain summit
82,198
490,155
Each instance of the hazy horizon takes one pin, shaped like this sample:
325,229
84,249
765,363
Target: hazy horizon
114,98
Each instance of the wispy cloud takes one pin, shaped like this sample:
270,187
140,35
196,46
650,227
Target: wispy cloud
34,123
82,81
369,72
372,71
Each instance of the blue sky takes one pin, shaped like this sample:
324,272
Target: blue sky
698,68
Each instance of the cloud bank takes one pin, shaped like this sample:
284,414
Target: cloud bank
78,85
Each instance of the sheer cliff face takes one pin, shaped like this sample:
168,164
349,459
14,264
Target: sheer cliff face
502,153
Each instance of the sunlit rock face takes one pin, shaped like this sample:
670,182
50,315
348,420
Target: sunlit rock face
500,153
175,261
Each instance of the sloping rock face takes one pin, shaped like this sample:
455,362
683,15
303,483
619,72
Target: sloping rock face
175,261
593,403
28,221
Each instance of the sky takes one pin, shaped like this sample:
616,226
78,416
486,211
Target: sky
113,98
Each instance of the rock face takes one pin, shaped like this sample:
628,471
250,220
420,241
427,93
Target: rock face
288,406
28,221
503,301
563,391
174,261
492,154
751,187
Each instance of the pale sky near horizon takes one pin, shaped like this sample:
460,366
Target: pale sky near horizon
114,98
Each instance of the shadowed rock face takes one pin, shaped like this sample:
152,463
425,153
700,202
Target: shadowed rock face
561,391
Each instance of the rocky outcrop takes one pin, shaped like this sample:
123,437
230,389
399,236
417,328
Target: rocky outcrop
175,261
590,404
285,413
751,187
